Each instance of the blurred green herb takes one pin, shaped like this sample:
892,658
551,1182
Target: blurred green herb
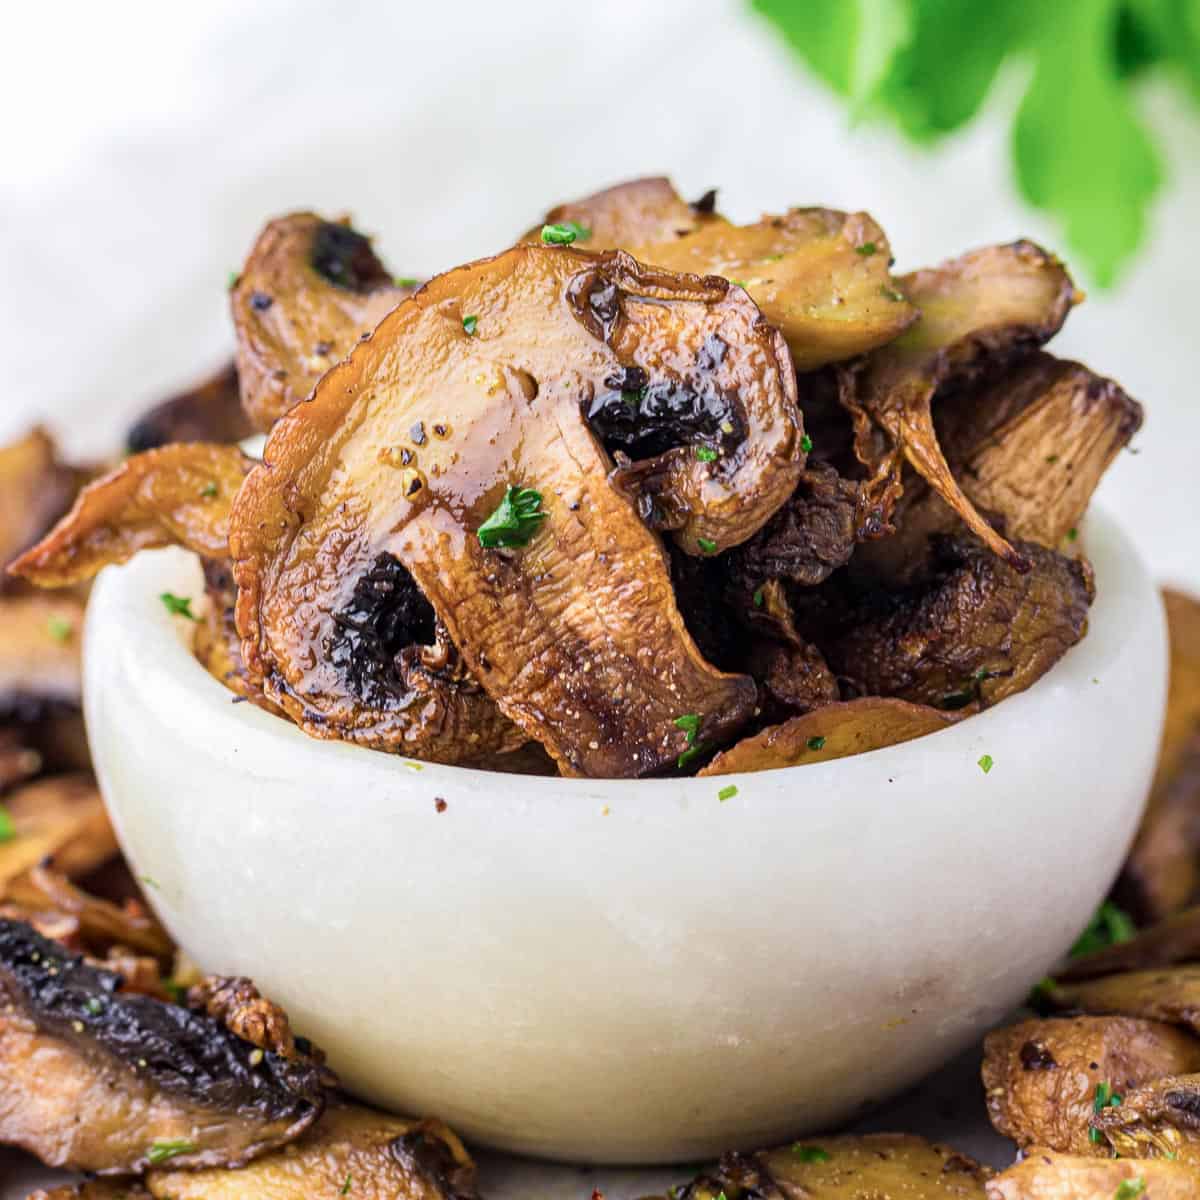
1109,927
1081,149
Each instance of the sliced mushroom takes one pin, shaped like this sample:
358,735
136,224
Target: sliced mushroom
1174,940
309,291
1042,1076
978,631
173,495
1170,994
61,818
1046,1175
94,1189
881,1166
352,1152
978,312
209,411
468,400
1160,1119
153,1082
834,731
40,638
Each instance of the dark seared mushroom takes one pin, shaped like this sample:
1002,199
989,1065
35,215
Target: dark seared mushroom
153,1082
309,291
1171,941
351,1151
1046,1175
1170,994
566,615
881,1166
209,411
94,1189
978,312
174,495
1041,1077
1160,1119
833,731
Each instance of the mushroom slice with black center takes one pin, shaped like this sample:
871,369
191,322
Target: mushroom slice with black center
1160,1119
310,290
455,443
978,312
1042,1077
209,411
351,1152
1046,1175
100,1080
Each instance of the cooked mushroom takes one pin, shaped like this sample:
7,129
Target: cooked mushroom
155,1082
94,1189
1162,872
1160,1119
471,397
881,1166
352,1152
1046,1175
209,411
61,818
1175,940
176,494
978,630
309,291
1044,1078
978,312
1170,994
833,731
40,637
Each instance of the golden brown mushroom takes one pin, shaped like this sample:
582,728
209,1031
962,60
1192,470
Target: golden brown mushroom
467,407
1170,994
1160,1119
309,291
1046,1175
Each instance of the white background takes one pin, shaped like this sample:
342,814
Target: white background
144,145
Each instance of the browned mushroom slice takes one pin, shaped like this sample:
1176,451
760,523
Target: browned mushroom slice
977,312
821,277
174,495
834,731
1042,1077
1046,1175
634,213
309,291
40,638
1170,994
1160,1119
152,1082
467,407
979,630
881,1166
1173,940
209,411
62,818
94,1189
351,1152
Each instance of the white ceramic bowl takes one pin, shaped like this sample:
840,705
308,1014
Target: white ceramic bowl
628,971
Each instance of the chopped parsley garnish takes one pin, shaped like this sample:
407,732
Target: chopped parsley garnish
806,444
816,743
866,249
59,628
150,881
969,693
690,724
232,281
1109,927
93,1005
889,293
1052,458
706,454
516,519
563,233
160,1152
707,546
209,490
727,793
739,283
1105,1098
346,1186
1130,1189
758,597
178,606
691,754
986,763
407,281
810,1154
1072,534
8,830
469,325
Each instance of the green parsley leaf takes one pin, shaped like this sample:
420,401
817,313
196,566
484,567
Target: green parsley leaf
986,763
231,281
727,792
1130,1189
706,454
690,724
94,1005
1110,926
178,606
816,743
209,490
407,281
59,628
150,881
564,233
739,283
1072,534
891,293
516,519
866,249
1105,1098
160,1152
469,325
8,830
806,444
691,754
346,1186
758,597
707,546
810,1154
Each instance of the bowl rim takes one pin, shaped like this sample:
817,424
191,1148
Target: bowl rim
135,586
